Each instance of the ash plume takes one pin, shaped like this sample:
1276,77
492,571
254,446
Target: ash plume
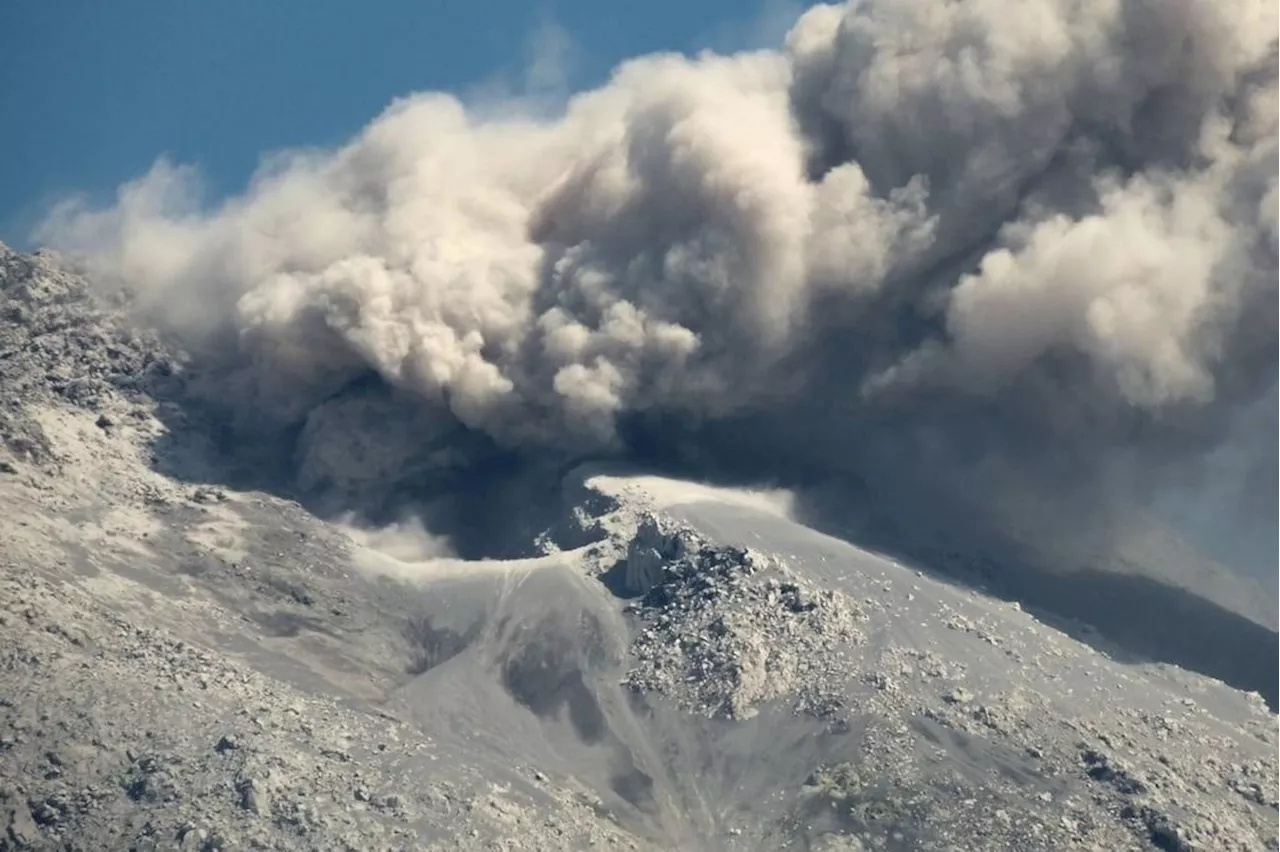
973,255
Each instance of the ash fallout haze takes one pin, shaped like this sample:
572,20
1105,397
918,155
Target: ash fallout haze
986,288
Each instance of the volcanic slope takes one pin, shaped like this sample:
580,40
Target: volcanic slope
191,661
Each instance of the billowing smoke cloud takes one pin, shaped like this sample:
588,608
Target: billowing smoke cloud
965,251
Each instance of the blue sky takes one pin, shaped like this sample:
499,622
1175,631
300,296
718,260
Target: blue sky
92,92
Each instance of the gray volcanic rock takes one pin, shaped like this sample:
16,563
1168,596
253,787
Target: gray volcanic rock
192,660
722,630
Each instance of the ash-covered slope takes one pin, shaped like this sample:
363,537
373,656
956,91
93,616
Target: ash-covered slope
193,660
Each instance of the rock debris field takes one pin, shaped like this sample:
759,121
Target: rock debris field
192,658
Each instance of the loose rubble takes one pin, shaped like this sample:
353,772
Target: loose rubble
723,630
122,724
187,663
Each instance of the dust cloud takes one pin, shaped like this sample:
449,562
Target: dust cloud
1017,262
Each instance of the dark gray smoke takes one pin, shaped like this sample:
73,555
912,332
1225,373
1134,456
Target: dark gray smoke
1015,262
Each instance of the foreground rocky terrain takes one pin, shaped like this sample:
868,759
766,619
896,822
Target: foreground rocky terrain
191,659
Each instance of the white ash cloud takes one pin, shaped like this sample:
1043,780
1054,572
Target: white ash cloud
1020,231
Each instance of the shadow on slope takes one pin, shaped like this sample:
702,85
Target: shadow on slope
1129,616
487,502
